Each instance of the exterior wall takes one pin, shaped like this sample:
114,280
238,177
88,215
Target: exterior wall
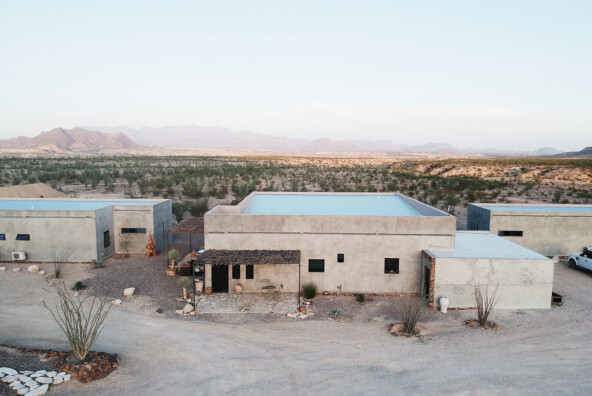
162,221
547,233
132,217
364,240
477,218
279,274
523,284
49,229
104,222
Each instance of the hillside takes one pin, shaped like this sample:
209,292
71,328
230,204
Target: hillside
584,153
76,140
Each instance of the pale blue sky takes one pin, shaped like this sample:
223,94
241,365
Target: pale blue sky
509,74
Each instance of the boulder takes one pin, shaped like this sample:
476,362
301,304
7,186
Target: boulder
129,291
2,269
9,378
188,308
58,380
51,374
42,272
17,269
33,269
23,391
117,301
44,380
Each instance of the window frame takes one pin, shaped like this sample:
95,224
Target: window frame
106,241
389,261
235,269
250,271
23,237
133,230
316,261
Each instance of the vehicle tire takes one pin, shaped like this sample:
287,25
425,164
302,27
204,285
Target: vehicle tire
572,264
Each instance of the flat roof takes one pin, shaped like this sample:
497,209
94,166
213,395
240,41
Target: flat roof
525,208
56,204
486,246
330,205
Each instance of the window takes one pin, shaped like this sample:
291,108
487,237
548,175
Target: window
316,265
133,230
23,237
236,272
340,258
106,239
510,233
250,272
2,237
391,265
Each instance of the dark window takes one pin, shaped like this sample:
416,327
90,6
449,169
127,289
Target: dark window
133,230
23,237
106,239
510,233
2,237
391,265
340,258
236,272
315,265
250,272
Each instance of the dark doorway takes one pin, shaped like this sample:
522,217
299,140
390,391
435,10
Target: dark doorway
426,281
220,278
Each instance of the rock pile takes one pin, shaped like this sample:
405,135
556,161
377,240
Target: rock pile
32,383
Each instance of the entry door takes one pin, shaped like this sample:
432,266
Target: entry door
220,278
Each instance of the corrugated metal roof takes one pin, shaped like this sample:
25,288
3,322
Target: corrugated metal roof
330,205
486,246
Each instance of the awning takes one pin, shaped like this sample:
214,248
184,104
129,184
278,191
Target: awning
250,257
194,225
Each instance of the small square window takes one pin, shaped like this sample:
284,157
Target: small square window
23,237
510,233
2,237
106,239
236,272
316,265
250,272
340,258
133,230
391,265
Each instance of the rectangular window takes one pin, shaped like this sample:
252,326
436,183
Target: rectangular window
316,265
391,265
236,272
340,258
2,237
23,237
510,233
250,272
133,230
106,239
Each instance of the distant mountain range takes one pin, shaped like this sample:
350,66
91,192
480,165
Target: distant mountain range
100,139
584,153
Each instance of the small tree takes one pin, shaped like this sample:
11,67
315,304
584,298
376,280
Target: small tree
81,326
485,302
410,308
184,282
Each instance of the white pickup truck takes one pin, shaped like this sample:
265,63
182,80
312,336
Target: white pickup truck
581,260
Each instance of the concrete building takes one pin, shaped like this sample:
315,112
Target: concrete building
547,229
367,243
524,279
91,229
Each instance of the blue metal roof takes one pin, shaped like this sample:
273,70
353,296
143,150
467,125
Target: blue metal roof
10,204
330,205
486,246
539,208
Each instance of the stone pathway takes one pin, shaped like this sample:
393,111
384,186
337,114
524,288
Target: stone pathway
247,303
29,383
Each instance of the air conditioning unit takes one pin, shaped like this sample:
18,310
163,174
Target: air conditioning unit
19,256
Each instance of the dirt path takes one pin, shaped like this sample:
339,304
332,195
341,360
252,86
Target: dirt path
535,351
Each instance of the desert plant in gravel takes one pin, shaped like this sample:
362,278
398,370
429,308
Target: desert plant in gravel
184,282
410,309
173,255
361,298
82,324
309,290
60,255
485,302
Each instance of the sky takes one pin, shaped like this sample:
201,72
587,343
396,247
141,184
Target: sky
505,74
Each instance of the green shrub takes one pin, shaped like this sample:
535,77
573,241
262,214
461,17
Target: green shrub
173,254
361,298
78,285
309,290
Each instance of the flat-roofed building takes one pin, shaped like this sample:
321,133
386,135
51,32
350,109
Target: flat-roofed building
90,229
547,229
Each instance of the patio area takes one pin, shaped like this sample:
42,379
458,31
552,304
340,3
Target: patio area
258,303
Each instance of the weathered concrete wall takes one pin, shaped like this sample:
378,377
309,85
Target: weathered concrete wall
547,233
365,242
523,284
49,230
280,274
104,222
162,221
132,217
477,218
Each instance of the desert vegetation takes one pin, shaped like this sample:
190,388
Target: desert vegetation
197,183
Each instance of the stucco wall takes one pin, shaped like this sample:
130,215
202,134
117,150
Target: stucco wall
280,274
162,220
104,222
365,242
49,228
523,284
132,217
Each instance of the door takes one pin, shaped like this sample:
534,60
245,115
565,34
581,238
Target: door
219,278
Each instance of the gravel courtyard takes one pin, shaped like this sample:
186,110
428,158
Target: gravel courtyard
534,352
